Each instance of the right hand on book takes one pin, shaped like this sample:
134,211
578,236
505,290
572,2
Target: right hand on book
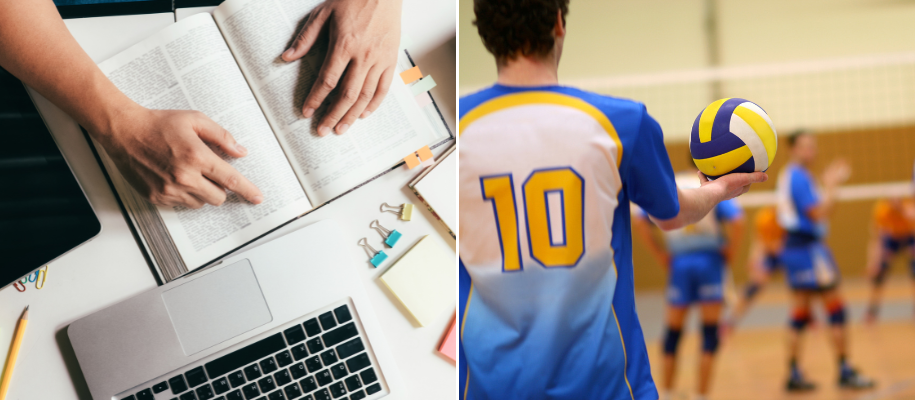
166,157
363,39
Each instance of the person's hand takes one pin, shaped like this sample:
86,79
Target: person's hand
363,39
165,157
732,185
836,173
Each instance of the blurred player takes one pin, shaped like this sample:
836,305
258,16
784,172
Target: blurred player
695,257
892,233
547,173
764,260
811,270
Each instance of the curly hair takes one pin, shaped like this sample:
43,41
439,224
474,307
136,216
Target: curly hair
510,28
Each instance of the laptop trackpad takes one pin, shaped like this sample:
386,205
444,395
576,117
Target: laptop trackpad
216,307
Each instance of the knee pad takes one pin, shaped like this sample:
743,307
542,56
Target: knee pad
753,289
800,318
710,338
671,340
836,312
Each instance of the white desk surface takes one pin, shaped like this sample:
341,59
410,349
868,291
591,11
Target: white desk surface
111,267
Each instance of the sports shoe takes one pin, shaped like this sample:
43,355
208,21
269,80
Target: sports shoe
852,380
797,383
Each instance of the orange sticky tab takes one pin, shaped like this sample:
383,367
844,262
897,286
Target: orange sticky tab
424,153
411,161
411,75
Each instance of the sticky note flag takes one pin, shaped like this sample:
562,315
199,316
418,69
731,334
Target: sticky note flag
411,75
424,85
424,153
411,161
423,99
449,345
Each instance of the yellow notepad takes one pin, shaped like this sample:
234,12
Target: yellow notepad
424,280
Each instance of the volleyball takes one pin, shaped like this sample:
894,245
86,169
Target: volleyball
732,135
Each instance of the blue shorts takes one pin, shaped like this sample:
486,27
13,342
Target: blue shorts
695,277
810,267
772,262
893,245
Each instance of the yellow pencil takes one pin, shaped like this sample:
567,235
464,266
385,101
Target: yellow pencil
14,352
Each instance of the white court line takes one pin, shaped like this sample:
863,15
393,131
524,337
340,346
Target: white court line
893,389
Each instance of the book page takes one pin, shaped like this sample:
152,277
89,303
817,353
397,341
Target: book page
258,31
188,66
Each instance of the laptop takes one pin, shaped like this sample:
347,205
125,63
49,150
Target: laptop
288,319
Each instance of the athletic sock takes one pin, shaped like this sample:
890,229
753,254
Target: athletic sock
844,368
795,371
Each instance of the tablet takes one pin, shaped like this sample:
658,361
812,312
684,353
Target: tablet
43,210
107,8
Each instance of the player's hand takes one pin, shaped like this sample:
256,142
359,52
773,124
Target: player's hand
836,173
363,39
165,156
732,185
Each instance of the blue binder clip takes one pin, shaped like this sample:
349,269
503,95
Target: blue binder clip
390,236
376,257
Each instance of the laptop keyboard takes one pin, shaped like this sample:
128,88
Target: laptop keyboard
321,358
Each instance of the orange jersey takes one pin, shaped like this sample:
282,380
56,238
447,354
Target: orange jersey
768,230
891,219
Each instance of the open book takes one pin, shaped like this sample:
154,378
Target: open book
228,66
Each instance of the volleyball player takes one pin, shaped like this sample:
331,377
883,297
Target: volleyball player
546,176
764,260
892,233
695,257
811,270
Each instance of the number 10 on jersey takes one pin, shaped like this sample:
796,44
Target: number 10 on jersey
500,190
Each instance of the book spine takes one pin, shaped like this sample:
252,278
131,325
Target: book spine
431,210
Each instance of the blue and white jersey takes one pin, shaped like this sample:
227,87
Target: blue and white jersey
796,193
547,303
706,235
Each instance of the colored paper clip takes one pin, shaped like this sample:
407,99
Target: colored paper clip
376,257
42,275
19,286
390,236
405,211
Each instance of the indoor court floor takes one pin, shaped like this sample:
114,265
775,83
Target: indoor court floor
752,364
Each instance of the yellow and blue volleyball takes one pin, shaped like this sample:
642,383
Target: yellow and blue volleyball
732,135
